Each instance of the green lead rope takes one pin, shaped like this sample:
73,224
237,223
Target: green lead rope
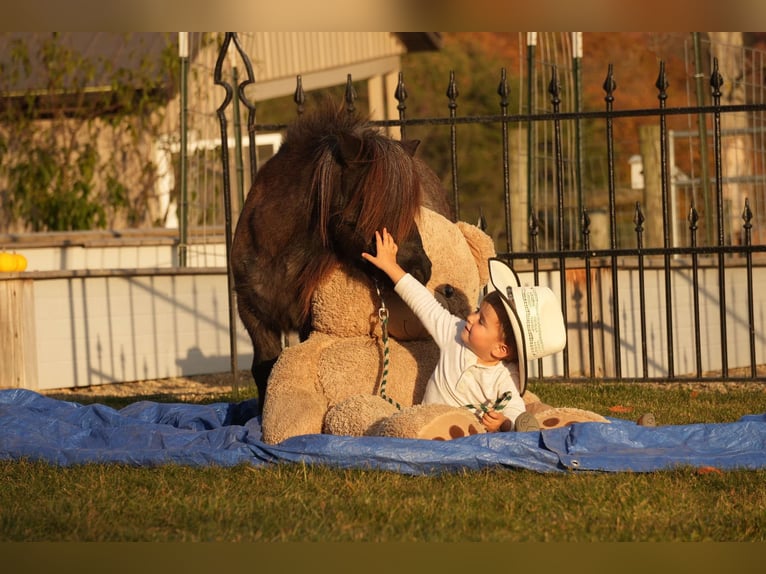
383,315
499,405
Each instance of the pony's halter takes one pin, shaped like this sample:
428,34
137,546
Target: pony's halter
383,316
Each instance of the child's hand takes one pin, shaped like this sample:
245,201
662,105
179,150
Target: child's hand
494,421
385,258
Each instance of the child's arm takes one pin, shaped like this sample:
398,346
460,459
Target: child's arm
437,320
385,260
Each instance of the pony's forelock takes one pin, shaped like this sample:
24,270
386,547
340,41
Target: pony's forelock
322,184
387,194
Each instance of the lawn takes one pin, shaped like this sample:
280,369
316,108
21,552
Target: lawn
298,503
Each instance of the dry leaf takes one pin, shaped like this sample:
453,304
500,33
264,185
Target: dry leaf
620,409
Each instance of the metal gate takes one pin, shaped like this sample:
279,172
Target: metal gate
668,309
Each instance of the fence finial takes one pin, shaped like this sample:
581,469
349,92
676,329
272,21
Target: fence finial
609,84
350,96
662,83
694,217
747,214
639,218
452,91
502,89
554,88
716,83
400,94
299,97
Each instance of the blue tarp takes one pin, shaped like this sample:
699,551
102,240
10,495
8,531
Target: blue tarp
145,433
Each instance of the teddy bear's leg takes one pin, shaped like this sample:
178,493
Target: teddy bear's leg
533,403
355,415
550,417
294,406
448,425
430,422
563,416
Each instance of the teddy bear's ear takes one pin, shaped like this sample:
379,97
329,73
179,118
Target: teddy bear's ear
482,248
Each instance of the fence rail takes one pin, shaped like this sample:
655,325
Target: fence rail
642,313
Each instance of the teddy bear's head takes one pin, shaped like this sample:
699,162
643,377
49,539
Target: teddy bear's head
347,305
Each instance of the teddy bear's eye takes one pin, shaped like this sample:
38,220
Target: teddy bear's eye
449,290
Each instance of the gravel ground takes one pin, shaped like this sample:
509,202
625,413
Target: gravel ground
202,386
180,388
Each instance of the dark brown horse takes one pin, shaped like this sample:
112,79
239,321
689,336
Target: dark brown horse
318,201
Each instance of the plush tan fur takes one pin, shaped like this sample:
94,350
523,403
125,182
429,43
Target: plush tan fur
553,417
331,382
429,422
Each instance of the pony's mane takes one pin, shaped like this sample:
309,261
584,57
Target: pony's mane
313,126
388,193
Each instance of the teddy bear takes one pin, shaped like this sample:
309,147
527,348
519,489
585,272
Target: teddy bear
363,369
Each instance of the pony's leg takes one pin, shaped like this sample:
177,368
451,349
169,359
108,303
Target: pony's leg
267,345
261,372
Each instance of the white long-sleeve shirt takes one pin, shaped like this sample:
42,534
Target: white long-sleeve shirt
458,378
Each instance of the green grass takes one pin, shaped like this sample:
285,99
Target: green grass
293,502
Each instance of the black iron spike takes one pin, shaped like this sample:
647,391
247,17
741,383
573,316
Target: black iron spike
299,97
400,94
502,90
452,91
350,96
716,82
694,217
585,219
609,84
662,82
747,214
639,218
534,223
554,88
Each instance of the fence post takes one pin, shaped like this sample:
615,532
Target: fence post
183,55
531,44
17,334
520,193
649,138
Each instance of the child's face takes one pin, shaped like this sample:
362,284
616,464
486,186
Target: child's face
483,336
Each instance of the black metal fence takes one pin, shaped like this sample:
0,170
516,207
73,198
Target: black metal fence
672,312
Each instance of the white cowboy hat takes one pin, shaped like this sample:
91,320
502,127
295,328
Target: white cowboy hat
535,316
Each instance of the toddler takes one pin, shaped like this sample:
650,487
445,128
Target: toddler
482,359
